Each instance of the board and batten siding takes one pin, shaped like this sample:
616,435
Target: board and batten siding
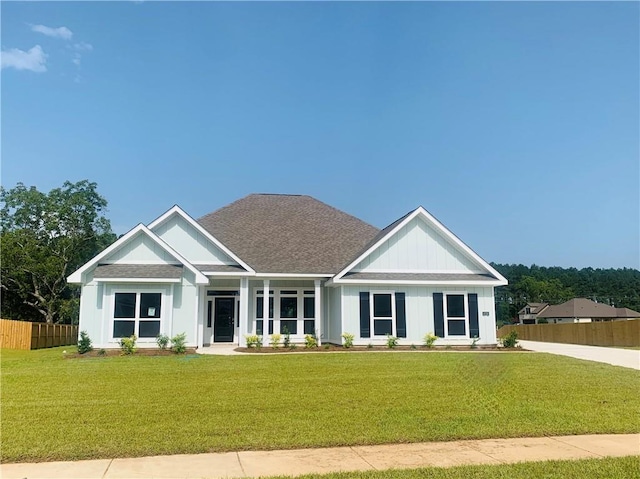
140,250
417,247
190,243
419,312
333,312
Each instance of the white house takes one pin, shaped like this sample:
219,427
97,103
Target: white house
324,272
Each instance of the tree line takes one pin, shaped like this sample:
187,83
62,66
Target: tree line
616,287
47,236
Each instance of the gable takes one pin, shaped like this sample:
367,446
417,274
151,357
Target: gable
191,243
140,249
418,247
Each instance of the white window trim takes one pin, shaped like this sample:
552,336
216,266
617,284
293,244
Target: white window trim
394,331
277,294
465,295
136,329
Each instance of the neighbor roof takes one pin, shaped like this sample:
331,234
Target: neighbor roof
535,308
579,308
289,233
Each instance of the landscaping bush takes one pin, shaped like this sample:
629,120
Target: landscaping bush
179,343
84,343
287,338
543,321
162,340
128,345
275,341
510,340
347,340
310,341
474,342
429,339
392,341
254,341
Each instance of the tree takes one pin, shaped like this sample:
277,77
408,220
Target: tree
45,237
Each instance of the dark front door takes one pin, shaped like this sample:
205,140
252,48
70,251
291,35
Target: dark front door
223,322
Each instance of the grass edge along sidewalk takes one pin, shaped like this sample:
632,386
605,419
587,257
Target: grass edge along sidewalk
70,409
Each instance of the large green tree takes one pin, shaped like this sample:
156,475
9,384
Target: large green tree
45,237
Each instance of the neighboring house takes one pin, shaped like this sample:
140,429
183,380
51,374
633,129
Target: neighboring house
582,310
529,313
276,263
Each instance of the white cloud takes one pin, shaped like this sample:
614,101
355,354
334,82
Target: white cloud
33,60
82,47
60,32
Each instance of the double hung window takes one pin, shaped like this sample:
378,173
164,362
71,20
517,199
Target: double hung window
382,313
456,315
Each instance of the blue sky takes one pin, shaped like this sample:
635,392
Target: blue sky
516,124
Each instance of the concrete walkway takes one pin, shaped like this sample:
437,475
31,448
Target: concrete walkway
627,358
358,458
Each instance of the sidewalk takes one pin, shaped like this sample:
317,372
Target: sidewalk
357,458
627,358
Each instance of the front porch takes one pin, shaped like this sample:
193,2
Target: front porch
229,309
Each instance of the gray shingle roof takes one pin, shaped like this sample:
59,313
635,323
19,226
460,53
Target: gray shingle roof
220,268
164,271
579,308
289,233
420,276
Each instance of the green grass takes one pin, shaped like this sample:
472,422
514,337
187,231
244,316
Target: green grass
62,409
610,468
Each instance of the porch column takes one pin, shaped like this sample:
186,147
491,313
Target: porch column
243,314
265,311
199,318
318,309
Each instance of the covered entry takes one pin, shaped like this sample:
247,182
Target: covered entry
222,308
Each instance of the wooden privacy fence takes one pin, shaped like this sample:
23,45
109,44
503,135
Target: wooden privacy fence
605,333
27,335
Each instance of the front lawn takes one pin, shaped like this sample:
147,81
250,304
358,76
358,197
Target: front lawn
57,409
609,468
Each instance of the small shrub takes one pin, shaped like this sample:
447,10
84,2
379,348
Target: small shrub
293,346
347,340
543,321
510,340
429,339
162,340
287,338
392,341
327,346
310,341
128,345
102,352
254,341
370,346
413,346
474,342
179,343
84,343
275,340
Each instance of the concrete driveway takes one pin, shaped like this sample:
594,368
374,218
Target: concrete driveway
627,358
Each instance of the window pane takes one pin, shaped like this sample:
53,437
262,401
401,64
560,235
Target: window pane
209,313
271,308
289,292
288,307
125,306
455,306
150,305
259,306
123,329
288,326
149,329
382,327
456,327
259,327
309,326
271,326
309,307
382,306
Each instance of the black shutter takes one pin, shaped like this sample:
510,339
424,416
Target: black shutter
365,323
401,317
438,315
474,326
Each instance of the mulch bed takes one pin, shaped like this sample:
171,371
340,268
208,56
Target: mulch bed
101,353
329,348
